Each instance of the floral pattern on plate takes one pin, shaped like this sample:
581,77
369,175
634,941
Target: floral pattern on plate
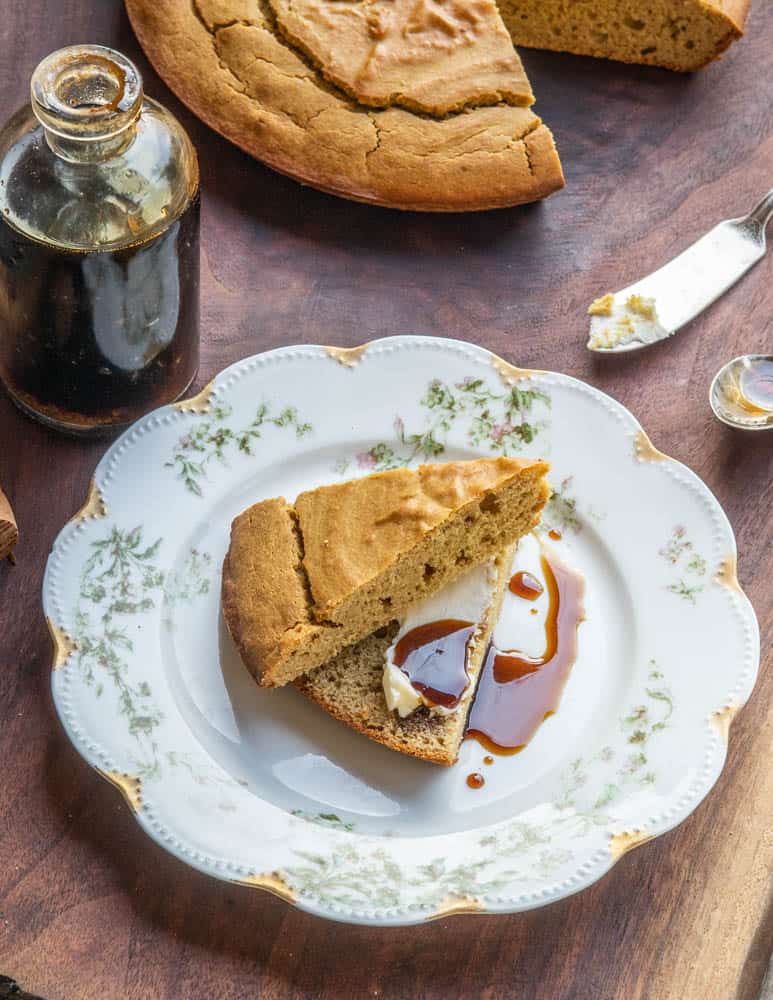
500,422
151,692
680,552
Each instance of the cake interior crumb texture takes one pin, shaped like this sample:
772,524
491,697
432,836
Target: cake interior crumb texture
302,582
350,688
680,35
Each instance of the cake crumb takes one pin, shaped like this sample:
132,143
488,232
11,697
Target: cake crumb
617,323
602,306
640,306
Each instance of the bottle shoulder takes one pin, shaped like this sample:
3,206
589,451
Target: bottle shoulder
104,204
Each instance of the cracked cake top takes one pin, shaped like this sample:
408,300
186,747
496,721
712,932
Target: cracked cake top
302,581
429,56
232,64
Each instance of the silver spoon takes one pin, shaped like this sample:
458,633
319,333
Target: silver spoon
660,304
741,394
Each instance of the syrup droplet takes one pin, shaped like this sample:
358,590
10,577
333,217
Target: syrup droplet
434,658
525,585
476,780
555,535
488,760
517,692
534,611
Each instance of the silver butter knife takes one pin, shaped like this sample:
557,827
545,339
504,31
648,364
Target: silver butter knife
660,304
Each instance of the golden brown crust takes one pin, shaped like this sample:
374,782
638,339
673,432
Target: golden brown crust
237,75
428,56
353,531
387,737
300,585
262,588
736,11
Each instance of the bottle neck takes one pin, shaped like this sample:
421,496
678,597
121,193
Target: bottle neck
89,151
88,99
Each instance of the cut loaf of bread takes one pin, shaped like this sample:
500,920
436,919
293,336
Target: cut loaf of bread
350,688
302,582
682,35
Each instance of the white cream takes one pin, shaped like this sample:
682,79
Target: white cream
521,623
616,321
516,627
401,696
467,599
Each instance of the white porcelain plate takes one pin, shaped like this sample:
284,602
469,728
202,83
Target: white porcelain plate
261,787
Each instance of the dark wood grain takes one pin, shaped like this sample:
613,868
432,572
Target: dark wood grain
89,907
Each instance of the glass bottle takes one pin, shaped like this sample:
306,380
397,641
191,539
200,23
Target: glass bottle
99,246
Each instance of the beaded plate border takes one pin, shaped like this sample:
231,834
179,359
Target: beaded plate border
279,881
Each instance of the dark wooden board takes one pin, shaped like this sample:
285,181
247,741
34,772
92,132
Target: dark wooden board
89,907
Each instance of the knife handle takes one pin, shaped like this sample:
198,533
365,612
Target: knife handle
761,214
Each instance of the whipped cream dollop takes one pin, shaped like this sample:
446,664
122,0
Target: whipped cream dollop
466,599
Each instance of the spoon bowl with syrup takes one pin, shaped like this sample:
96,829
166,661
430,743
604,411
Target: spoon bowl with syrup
741,394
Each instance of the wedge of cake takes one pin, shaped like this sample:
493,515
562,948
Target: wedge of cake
410,685
302,582
681,35
485,658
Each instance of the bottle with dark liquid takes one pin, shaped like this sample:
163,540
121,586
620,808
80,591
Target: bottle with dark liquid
99,247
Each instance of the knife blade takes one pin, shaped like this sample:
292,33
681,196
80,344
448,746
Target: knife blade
655,307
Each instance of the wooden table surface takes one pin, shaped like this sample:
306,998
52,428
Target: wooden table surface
89,907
